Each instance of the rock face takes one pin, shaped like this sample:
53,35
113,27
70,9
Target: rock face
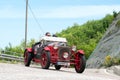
108,45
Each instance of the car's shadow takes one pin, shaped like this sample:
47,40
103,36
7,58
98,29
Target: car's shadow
53,69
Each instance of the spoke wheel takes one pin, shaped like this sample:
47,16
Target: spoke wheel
45,60
80,63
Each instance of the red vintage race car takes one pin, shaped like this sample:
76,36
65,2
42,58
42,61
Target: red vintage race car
55,51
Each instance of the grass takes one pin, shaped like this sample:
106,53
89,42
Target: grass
9,61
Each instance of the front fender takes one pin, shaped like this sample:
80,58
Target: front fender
80,52
47,49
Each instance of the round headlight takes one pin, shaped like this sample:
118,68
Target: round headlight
65,55
74,48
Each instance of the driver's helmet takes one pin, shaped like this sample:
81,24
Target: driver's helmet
47,34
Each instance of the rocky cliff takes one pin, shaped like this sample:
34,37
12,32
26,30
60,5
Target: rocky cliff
108,45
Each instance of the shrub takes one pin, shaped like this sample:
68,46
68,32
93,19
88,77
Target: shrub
109,61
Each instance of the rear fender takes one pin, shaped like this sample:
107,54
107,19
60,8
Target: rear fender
28,50
81,52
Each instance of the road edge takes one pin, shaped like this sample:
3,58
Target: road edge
114,70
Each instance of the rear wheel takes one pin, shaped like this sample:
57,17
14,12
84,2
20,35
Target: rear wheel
80,63
45,60
27,58
57,67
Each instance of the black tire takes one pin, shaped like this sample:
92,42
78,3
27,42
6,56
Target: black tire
45,60
80,64
27,58
57,67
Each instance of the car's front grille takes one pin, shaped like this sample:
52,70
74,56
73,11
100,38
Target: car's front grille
63,50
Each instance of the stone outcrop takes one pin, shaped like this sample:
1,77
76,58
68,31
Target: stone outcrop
108,45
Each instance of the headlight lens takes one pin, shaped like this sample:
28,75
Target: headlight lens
65,55
74,48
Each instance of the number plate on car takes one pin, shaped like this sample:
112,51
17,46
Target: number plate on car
63,63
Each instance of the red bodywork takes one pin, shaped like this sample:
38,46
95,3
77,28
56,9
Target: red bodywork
57,54
54,55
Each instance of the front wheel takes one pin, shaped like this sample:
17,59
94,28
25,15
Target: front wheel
80,63
27,59
45,60
57,67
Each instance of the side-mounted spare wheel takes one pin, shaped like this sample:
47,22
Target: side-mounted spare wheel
80,63
27,58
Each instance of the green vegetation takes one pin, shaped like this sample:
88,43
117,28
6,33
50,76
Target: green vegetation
8,61
87,36
17,50
115,14
110,61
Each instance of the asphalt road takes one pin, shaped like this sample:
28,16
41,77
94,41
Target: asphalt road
20,72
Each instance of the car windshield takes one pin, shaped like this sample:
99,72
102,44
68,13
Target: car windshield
53,43
58,41
55,39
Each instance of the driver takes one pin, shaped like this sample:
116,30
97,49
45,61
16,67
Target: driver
38,44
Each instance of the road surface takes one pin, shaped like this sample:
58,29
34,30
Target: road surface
20,72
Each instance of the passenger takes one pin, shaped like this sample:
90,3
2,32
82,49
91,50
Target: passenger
54,35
